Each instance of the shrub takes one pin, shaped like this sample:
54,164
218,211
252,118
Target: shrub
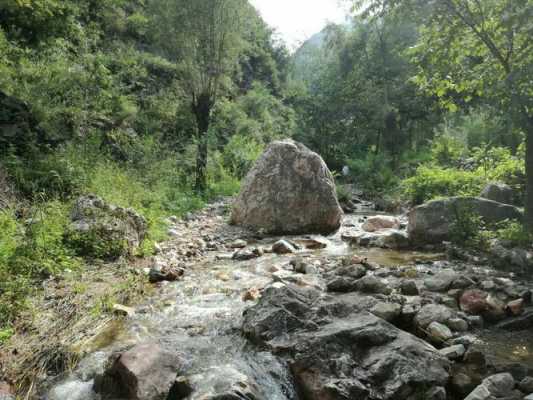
432,182
372,173
240,154
514,233
467,229
447,151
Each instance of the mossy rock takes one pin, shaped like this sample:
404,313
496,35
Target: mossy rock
104,231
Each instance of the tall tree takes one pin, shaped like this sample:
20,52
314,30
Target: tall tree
474,48
204,37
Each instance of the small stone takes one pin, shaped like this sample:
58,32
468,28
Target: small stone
409,288
371,284
123,311
246,254
354,271
313,243
437,393
439,332
173,233
440,282
432,312
475,320
283,247
453,352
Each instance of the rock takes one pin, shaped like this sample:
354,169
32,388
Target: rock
290,190
283,247
499,192
439,332
529,397
386,239
431,222
474,302
432,313
494,387
313,243
380,222
346,355
161,272
457,324
409,288
6,393
526,385
342,284
475,320
124,311
371,284
518,323
355,271
247,254
146,371
387,311
437,393
103,230
515,307
440,282
453,352
238,244
223,382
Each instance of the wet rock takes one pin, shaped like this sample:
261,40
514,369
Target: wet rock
432,313
494,387
438,332
437,393
341,353
356,271
146,371
387,311
342,284
386,239
288,191
283,247
380,222
499,192
103,230
431,222
251,294
521,322
409,288
223,382
313,243
453,352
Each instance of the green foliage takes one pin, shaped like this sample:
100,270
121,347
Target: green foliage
432,182
467,229
239,155
447,151
373,173
514,234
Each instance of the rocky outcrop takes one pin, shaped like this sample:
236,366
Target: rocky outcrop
145,372
289,190
498,192
431,223
103,230
380,222
337,352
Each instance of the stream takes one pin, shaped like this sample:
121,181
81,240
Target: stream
201,314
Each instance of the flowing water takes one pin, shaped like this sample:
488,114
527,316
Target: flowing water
200,316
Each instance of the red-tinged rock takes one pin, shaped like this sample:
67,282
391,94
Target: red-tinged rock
474,302
516,307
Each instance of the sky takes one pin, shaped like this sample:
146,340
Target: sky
297,20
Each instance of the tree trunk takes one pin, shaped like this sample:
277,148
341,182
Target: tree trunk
202,111
529,178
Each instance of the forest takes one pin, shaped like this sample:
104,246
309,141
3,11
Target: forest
163,106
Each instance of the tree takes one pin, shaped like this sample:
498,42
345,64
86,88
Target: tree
204,38
473,48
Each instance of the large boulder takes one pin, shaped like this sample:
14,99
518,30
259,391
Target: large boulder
431,223
499,192
337,351
104,230
290,190
145,372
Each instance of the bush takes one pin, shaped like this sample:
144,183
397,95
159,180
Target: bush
467,229
372,173
447,151
515,234
431,182
240,154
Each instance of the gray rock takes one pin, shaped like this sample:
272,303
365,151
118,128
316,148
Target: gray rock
432,313
437,393
348,354
431,222
441,282
388,311
457,324
453,352
146,371
103,230
283,247
409,288
371,284
499,192
290,190
494,387
526,384
381,222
